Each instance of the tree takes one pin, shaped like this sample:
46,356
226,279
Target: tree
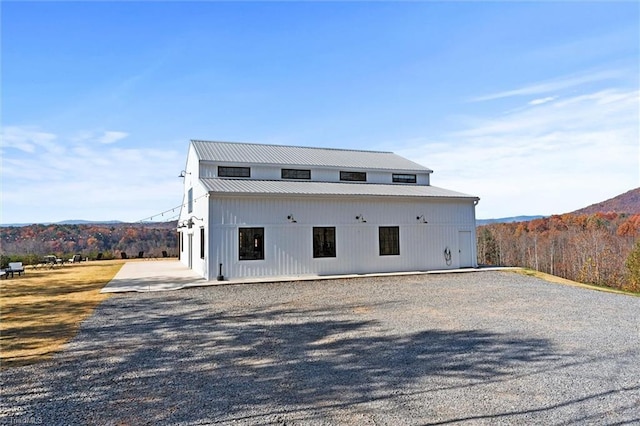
633,267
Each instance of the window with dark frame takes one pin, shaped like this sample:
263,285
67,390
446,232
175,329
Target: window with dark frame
180,237
324,242
201,243
190,200
389,240
226,171
251,243
354,176
404,178
296,174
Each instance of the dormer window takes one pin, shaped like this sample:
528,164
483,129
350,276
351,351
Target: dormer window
296,174
224,171
404,178
354,176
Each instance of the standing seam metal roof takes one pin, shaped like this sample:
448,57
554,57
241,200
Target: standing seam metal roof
274,187
235,152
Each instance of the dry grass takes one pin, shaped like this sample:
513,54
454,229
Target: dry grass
43,309
559,280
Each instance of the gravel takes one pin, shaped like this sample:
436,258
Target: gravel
473,348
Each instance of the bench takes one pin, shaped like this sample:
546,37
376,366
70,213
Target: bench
14,267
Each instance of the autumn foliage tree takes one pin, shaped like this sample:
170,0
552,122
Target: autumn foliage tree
585,248
633,267
88,240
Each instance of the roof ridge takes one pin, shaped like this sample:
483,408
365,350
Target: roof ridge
293,146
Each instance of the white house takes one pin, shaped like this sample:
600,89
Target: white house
255,211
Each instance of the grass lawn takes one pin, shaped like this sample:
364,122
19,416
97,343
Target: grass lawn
42,309
560,280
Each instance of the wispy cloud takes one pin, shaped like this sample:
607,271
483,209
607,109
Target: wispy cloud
541,101
54,172
27,139
551,85
111,137
553,157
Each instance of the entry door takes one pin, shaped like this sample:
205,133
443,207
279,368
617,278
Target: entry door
464,249
190,251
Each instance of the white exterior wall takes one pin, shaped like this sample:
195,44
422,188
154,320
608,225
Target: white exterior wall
189,244
210,170
288,246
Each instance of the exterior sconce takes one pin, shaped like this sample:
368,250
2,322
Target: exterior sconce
360,218
190,221
184,173
292,219
421,219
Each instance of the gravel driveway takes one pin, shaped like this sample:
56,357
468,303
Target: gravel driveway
473,348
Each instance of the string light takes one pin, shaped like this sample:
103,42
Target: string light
172,210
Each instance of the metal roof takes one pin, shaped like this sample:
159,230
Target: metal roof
276,187
235,152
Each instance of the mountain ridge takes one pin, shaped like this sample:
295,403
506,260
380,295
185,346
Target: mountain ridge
628,202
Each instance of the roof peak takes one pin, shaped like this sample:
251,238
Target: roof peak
291,146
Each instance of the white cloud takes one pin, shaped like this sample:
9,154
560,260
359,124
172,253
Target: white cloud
87,181
555,157
28,139
112,137
541,101
552,85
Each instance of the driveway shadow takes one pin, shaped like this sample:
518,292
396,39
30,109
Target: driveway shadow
170,361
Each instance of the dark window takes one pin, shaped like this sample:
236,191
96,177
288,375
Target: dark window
190,200
324,242
251,243
296,174
353,176
404,178
201,243
180,237
234,171
389,240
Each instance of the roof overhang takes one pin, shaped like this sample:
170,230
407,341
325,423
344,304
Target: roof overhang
252,187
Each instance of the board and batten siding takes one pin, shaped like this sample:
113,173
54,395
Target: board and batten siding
288,247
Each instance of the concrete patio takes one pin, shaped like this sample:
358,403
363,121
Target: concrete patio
168,275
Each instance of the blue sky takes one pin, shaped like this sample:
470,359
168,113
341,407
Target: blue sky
532,106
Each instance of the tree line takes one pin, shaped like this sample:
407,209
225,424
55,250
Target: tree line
596,249
31,243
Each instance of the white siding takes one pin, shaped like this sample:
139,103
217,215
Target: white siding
288,246
273,172
199,216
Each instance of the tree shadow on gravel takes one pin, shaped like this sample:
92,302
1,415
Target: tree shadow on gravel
178,360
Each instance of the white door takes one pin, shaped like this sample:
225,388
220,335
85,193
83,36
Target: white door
464,249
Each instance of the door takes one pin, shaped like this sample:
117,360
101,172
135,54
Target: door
190,251
464,249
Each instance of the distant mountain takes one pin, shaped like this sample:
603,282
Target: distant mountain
481,222
87,222
67,222
76,222
629,202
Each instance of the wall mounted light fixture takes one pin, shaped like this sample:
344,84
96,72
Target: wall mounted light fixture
184,173
360,218
189,222
292,219
421,219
